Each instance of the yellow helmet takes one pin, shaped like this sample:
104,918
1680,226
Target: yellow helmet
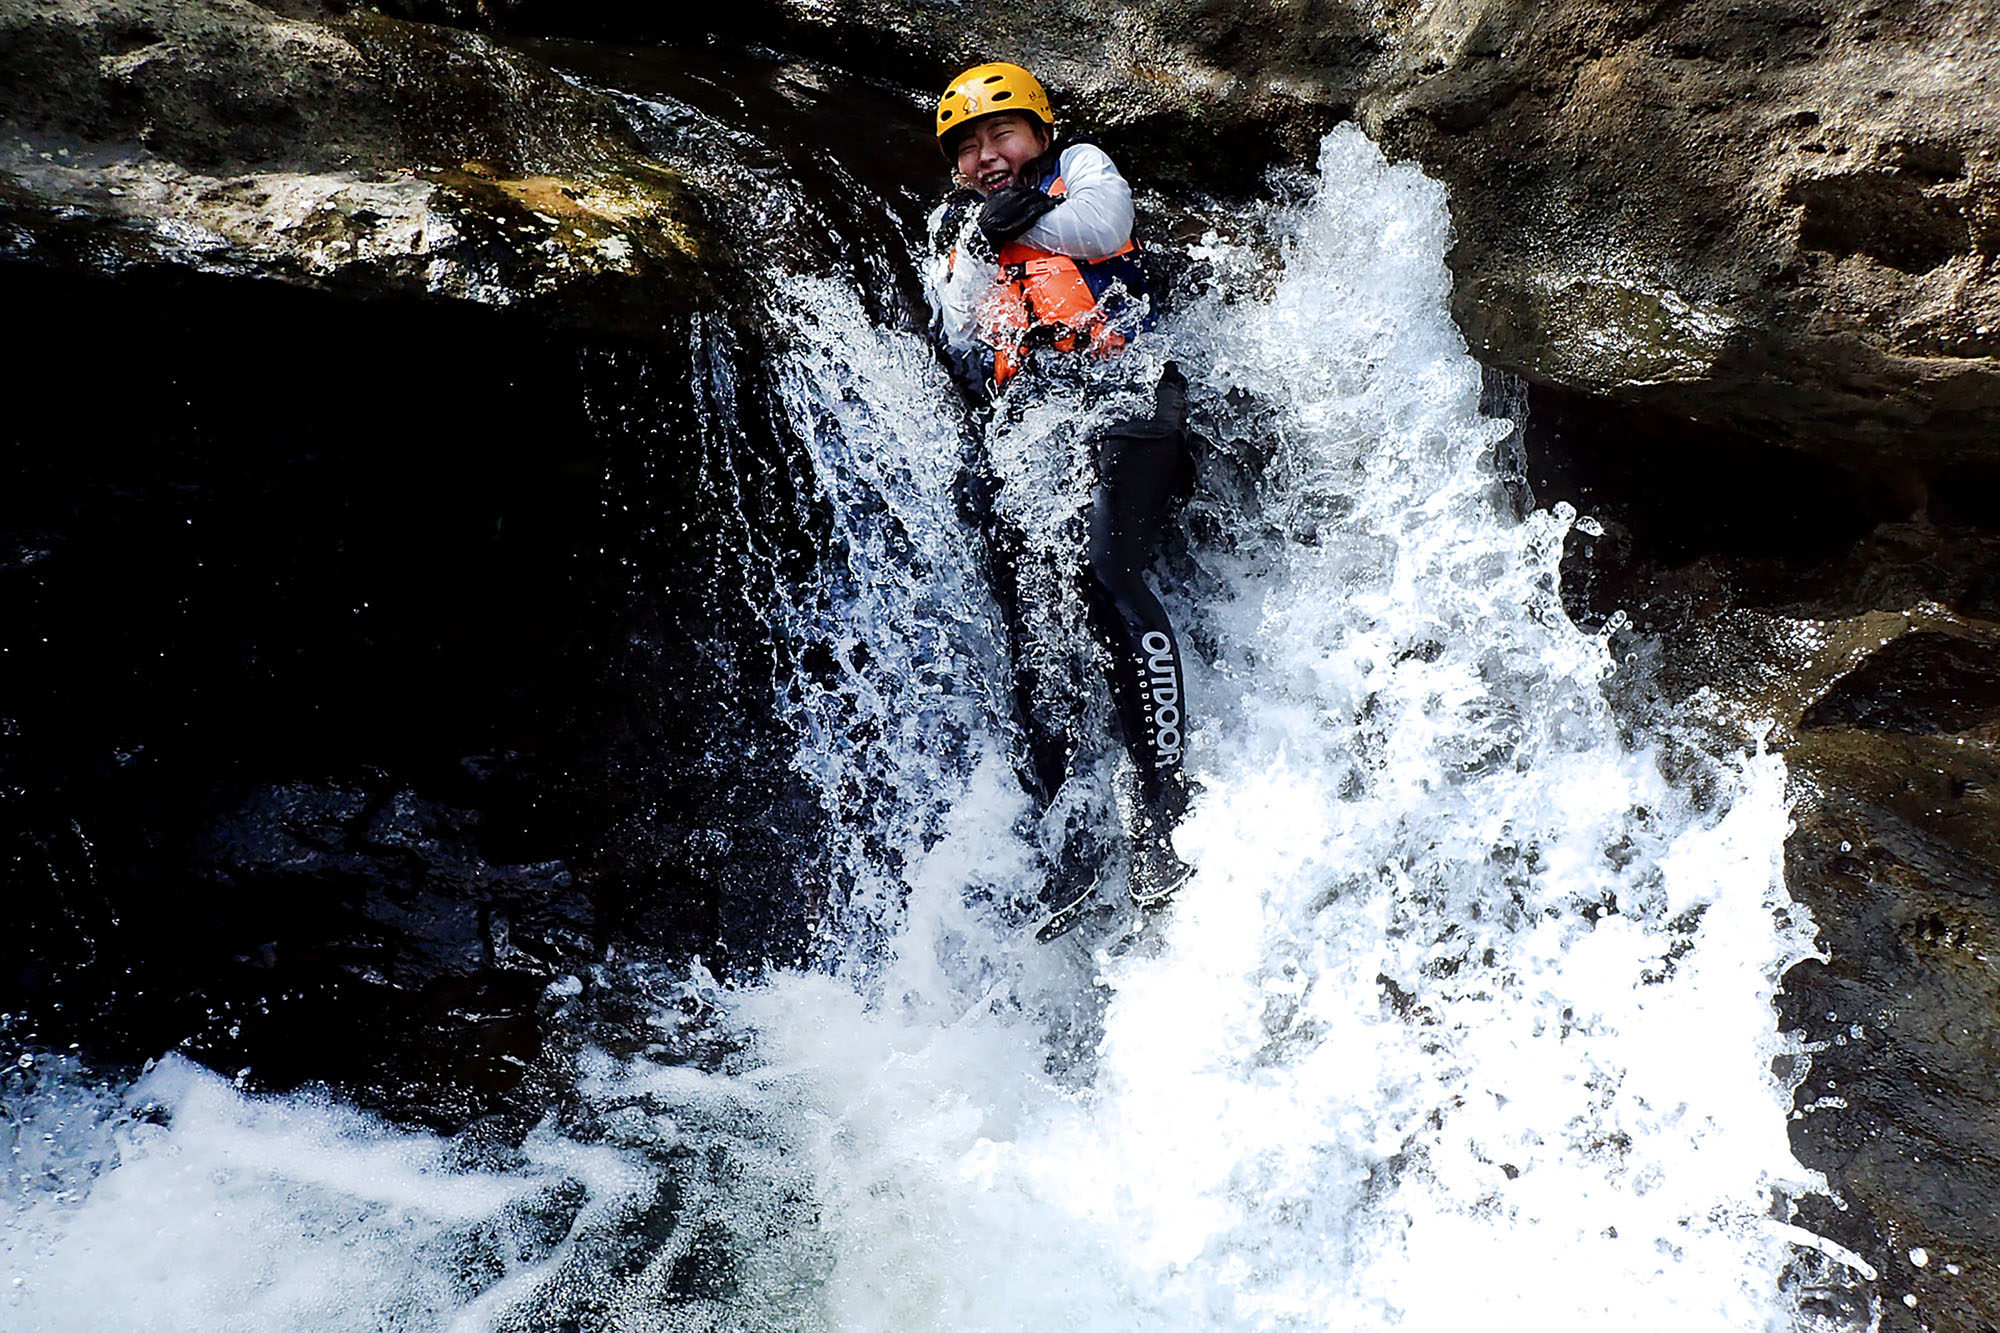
985,89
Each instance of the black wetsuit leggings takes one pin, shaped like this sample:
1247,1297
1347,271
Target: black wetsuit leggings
1140,465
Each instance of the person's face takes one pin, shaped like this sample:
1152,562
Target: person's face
991,151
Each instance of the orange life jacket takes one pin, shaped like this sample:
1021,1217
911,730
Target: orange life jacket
1047,299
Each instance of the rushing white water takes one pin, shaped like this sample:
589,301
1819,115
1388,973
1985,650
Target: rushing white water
1465,1018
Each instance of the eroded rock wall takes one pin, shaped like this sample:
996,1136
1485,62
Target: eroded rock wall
1779,218
1792,597
373,652
353,153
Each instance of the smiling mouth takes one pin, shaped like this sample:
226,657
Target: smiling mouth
994,180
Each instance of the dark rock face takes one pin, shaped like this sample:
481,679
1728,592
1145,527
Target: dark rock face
1895,852
366,669
1874,643
421,903
382,556
391,550
1921,683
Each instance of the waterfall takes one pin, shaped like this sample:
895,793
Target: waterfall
1465,1017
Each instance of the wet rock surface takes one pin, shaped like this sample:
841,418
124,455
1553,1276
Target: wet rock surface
388,556
1779,218
366,671
349,152
1867,641
1894,853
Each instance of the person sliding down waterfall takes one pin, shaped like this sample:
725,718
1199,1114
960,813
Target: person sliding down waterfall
1034,277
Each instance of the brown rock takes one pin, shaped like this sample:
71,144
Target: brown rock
1778,217
357,153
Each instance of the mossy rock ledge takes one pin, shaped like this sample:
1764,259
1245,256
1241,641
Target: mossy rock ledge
356,153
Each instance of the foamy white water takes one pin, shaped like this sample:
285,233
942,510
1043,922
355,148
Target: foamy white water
1465,1018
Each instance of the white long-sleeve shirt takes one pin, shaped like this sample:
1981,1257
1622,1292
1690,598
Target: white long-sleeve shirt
1093,221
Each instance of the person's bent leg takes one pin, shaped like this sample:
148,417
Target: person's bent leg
1145,669
1140,464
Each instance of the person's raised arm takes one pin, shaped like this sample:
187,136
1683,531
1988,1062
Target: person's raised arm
1094,218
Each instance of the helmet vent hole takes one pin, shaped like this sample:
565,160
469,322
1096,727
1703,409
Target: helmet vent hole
945,115
993,78
1002,96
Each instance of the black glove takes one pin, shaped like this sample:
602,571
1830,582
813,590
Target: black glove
1011,211
959,205
961,209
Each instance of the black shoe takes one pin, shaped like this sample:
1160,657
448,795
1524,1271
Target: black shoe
1156,872
1149,812
1071,895
1065,919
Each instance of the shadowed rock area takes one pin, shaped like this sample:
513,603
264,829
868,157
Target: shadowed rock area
389,553
1787,591
366,669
